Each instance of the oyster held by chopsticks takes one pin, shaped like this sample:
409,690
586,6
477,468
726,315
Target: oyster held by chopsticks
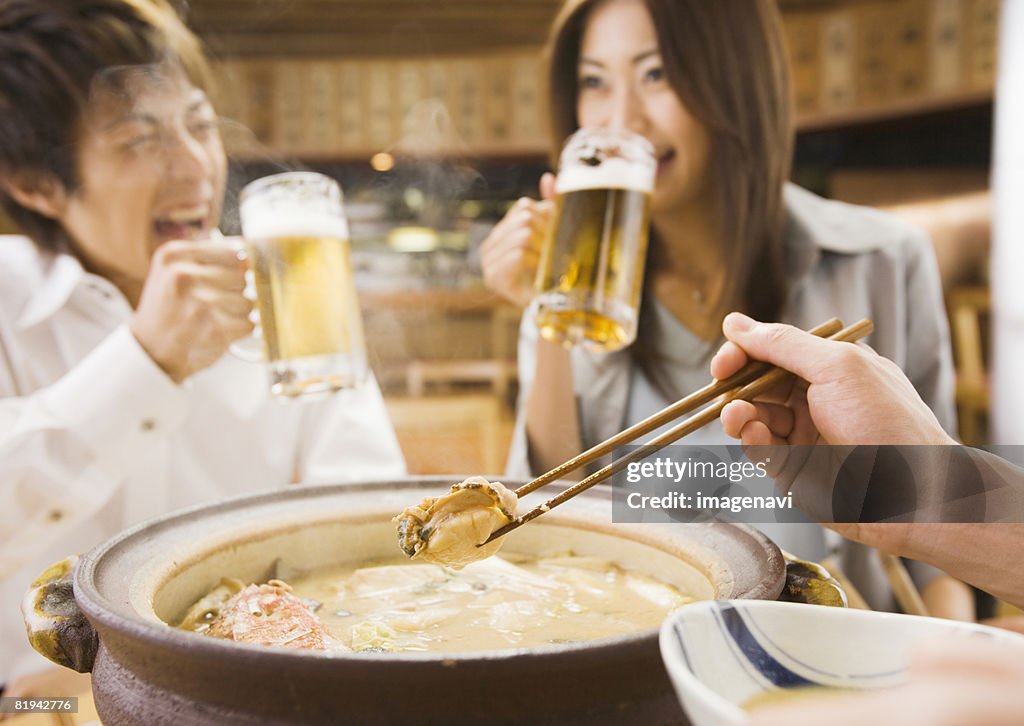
447,530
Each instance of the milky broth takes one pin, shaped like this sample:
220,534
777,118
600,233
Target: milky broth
507,601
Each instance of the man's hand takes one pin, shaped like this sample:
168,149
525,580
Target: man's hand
192,307
844,394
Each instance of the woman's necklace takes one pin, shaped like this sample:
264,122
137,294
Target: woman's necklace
691,298
700,299
699,284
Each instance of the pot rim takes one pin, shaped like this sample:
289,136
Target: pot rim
104,612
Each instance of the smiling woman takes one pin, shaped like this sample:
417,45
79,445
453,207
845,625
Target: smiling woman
117,400
707,84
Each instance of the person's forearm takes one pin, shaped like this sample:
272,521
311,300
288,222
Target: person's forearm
986,555
974,530
552,426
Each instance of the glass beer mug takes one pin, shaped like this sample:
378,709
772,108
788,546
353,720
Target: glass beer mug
591,269
296,237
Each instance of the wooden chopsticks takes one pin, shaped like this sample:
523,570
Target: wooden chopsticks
750,381
907,595
698,398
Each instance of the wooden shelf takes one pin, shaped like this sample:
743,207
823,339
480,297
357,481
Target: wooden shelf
441,300
893,110
853,62
456,434
369,28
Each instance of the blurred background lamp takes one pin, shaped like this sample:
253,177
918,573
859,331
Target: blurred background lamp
382,161
413,239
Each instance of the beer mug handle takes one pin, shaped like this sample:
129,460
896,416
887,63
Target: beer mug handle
249,348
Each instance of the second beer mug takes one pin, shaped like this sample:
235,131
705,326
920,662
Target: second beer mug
296,236
591,270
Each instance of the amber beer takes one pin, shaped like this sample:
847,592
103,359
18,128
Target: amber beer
298,250
591,271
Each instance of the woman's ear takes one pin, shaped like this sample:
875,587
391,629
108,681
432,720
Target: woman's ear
42,194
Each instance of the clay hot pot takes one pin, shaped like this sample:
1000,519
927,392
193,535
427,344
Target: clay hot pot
147,672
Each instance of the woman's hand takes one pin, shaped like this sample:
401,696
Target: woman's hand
511,253
192,306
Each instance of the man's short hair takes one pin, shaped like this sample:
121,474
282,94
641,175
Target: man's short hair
51,54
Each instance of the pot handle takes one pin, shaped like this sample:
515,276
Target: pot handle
809,582
56,626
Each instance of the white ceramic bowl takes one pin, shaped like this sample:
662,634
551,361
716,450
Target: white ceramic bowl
720,654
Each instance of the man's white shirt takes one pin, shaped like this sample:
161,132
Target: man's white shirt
94,437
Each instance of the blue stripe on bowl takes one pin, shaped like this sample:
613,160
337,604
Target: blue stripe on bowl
765,663
682,647
844,679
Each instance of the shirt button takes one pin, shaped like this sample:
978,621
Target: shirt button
105,294
147,424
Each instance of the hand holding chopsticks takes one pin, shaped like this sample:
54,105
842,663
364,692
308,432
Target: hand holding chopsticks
751,381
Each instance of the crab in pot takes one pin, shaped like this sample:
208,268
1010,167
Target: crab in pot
267,614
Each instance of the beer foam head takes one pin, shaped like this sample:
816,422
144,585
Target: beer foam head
602,157
610,174
281,220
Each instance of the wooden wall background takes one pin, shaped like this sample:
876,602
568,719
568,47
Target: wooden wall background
344,79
